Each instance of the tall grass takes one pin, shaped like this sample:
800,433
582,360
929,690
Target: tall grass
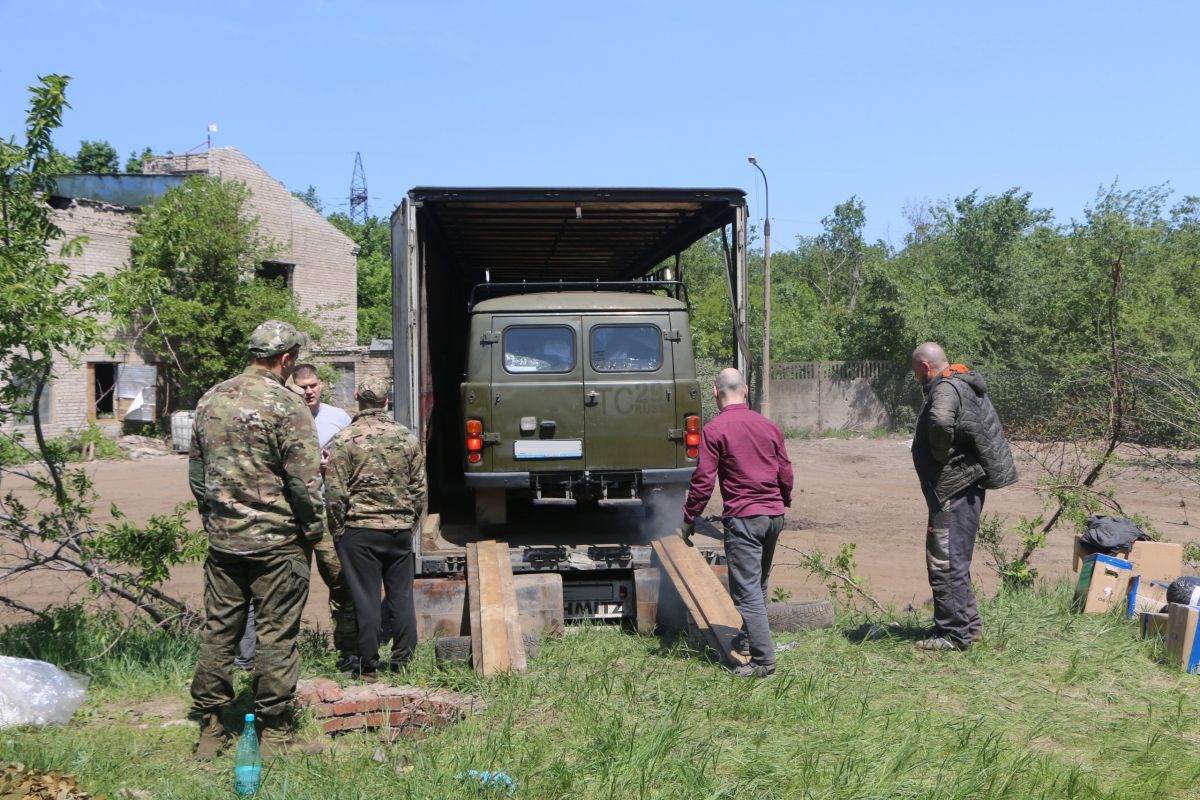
1050,705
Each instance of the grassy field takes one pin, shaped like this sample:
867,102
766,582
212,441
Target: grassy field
1050,705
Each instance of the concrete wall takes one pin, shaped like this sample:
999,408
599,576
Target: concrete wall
821,395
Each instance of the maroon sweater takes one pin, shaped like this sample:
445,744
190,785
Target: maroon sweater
745,450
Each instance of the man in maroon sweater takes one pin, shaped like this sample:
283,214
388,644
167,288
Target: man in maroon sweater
745,451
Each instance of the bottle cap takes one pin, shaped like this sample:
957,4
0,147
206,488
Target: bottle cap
249,718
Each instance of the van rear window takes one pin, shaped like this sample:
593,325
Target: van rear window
626,348
539,348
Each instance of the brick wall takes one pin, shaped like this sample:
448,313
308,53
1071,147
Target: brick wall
324,274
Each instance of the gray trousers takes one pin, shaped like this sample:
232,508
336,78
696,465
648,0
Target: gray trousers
749,550
949,546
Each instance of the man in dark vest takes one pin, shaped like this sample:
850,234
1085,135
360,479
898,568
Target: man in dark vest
959,451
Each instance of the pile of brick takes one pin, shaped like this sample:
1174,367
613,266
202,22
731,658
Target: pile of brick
380,706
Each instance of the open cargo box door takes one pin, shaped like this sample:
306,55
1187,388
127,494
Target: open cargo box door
447,240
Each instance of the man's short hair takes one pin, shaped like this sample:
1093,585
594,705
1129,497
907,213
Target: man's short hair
729,381
299,369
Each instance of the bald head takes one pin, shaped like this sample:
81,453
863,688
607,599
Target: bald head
928,360
730,387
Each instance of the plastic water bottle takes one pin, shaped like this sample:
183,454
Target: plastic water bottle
247,764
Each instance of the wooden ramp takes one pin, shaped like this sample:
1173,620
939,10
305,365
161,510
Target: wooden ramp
707,602
496,644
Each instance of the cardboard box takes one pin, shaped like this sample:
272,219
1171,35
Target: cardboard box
1154,624
1145,595
1103,584
1183,642
1159,561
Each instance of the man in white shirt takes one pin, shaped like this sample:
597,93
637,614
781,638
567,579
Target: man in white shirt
329,420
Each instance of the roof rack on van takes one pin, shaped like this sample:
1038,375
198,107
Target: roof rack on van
483,290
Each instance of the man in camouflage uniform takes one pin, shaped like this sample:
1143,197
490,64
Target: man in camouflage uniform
254,469
374,493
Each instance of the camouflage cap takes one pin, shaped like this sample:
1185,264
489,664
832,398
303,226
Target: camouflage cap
374,390
274,337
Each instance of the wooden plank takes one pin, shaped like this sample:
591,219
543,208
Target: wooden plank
491,612
512,615
707,601
474,610
431,529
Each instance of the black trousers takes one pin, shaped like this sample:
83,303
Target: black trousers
371,560
949,546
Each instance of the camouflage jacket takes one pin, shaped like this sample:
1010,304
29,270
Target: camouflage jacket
255,467
375,476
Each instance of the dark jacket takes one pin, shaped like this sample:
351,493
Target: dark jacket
959,441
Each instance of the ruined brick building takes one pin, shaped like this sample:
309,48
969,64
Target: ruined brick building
314,257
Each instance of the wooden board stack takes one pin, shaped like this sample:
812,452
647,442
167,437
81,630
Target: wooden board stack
496,643
708,604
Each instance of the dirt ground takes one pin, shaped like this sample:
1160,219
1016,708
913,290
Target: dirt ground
857,490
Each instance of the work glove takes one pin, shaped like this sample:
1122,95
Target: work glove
687,531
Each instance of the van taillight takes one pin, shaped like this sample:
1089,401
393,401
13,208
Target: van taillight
691,426
474,441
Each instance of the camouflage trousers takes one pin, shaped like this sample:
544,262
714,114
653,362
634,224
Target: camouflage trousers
341,606
277,582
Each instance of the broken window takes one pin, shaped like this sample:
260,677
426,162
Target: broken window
279,271
343,384
103,390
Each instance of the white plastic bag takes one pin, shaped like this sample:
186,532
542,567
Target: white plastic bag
37,693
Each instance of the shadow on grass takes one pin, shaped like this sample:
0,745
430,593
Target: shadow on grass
907,631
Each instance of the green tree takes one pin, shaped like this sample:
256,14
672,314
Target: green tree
192,290
374,240
136,163
310,199
49,315
96,157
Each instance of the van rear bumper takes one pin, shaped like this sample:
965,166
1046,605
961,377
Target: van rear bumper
520,480
496,480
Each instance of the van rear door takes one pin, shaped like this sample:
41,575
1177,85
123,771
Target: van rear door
537,393
629,392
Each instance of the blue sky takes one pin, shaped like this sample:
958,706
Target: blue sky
897,103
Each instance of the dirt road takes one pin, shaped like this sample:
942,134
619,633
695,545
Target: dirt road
860,490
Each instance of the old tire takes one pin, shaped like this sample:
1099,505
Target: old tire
800,615
456,650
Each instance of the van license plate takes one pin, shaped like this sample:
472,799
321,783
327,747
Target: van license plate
594,609
548,448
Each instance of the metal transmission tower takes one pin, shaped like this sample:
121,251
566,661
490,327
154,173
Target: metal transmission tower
358,192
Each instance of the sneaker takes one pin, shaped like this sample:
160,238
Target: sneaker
753,671
940,643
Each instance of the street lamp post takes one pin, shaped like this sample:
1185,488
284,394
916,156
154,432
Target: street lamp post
764,406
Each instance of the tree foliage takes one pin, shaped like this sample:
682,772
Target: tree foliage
136,163
193,293
96,157
49,315
374,240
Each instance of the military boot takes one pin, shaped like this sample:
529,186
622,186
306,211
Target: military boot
279,738
213,737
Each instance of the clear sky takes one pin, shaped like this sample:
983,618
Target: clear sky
896,102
